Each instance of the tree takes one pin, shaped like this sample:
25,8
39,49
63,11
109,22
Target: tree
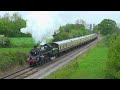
70,31
10,25
17,23
96,29
4,41
80,22
107,26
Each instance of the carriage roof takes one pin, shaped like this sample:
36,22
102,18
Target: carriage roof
70,40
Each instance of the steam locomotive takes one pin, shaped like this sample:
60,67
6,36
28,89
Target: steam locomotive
49,51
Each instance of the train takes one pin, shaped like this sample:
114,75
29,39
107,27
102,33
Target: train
49,51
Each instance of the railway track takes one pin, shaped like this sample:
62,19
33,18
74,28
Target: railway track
49,67
22,73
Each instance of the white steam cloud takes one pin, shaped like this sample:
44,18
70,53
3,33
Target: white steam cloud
40,25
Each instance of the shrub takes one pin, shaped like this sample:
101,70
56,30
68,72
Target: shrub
4,42
113,62
8,59
108,39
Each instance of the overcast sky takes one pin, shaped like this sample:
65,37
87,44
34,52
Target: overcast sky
42,24
70,16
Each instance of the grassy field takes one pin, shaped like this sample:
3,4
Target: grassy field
91,65
22,42
19,44
14,49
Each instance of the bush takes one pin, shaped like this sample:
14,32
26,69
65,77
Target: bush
4,42
8,59
108,39
113,62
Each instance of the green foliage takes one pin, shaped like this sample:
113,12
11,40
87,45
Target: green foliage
109,39
10,25
106,27
101,43
12,56
96,29
4,42
113,62
8,59
16,54
70,31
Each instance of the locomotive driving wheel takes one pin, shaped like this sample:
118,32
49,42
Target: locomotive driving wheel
32,64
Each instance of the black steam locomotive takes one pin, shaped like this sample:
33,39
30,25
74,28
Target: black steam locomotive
49,51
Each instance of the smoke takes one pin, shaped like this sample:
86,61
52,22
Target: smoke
41,25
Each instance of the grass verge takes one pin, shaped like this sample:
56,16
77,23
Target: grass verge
25,42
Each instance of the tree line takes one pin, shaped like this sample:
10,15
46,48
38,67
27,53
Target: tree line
10,25
71,31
